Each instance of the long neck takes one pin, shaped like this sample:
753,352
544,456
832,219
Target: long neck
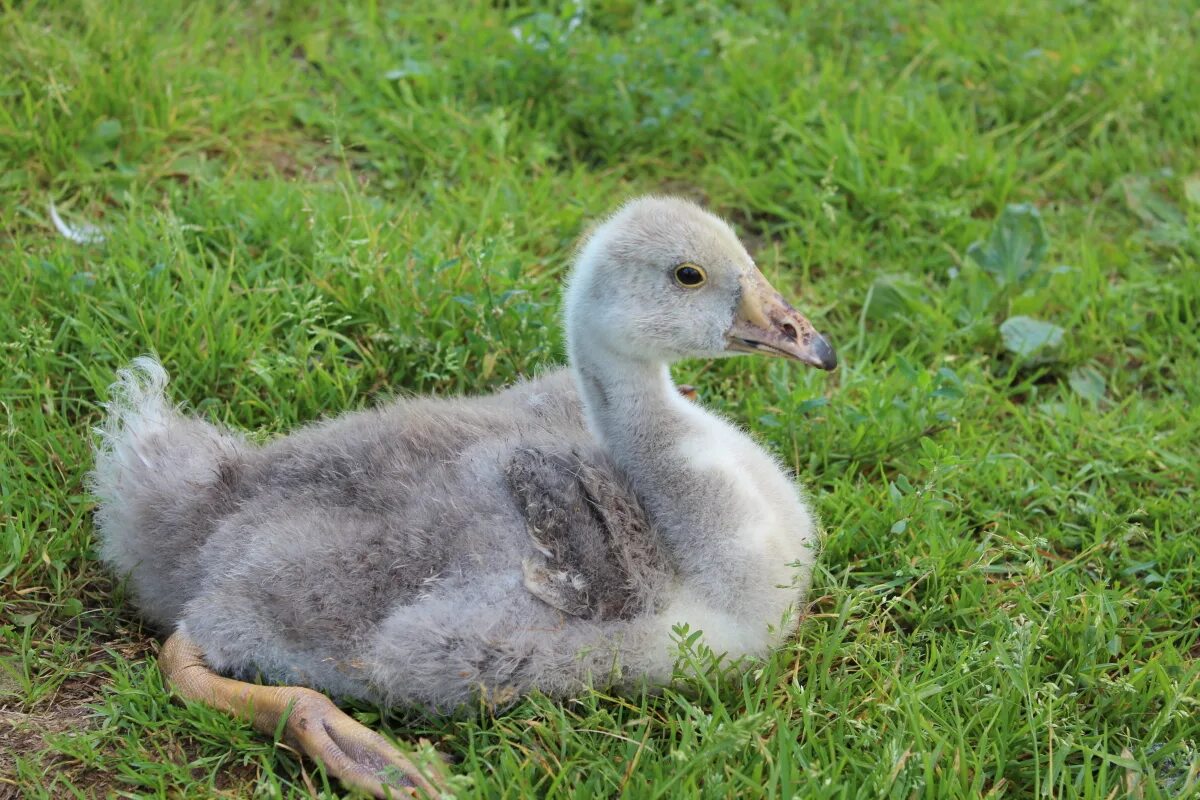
672,452
730,519
636,412
632,407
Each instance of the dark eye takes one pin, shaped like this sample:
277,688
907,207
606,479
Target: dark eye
689,275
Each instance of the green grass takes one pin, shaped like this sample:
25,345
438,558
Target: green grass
311,210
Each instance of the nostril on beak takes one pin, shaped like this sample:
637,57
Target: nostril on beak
789,331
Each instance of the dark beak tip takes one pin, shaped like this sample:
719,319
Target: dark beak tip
826,357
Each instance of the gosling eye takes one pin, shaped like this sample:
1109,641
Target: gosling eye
690,275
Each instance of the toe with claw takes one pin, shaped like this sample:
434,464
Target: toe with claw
312,724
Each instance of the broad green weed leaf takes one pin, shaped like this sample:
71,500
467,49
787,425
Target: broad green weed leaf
1088,383
24,620
1151,208
1016,246
107,130
1164,222
1191,190
1025,336
893,296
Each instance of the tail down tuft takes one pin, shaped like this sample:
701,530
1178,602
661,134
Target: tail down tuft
137,409
162,481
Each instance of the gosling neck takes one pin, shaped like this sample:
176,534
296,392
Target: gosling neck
637,414
631,404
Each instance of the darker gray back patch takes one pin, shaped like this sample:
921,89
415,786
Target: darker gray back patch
594,553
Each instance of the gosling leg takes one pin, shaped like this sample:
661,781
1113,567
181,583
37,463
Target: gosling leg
352,753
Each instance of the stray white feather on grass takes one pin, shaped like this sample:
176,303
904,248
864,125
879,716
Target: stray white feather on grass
83,233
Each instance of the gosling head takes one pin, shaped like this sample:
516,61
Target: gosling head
662,280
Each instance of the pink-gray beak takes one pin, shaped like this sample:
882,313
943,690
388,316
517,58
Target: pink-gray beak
767,324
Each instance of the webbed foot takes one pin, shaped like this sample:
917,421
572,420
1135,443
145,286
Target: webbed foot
351,752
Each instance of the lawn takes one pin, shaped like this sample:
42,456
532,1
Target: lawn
992,212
